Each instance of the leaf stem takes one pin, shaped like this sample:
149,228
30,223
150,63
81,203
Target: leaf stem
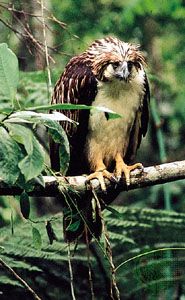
23,282
148,253
71,273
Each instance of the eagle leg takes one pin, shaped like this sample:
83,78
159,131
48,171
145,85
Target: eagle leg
121,167
100,174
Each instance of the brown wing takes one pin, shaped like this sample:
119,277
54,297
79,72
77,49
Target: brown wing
140,125
77,85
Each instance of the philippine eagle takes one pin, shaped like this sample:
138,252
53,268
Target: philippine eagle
110,73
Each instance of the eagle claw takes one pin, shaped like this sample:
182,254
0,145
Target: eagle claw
123,168
100,175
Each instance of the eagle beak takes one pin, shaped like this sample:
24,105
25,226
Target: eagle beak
123,72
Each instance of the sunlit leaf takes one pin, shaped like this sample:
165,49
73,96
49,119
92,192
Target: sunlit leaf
9,74
34,117
21,135
32,165
10,155
5,110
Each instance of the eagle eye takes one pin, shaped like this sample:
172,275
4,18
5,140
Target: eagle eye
115,65
129,65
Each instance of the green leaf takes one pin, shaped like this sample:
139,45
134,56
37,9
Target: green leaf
10,155
34,117
110,113
9,74
25,205
66,106
28,186
114,212
74,226
39,180
37,240
21,135
5,110
59,136
32,165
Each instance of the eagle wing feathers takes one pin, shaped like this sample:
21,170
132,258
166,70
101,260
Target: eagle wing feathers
77,85
140,125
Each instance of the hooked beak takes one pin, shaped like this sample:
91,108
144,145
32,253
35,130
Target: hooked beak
123,72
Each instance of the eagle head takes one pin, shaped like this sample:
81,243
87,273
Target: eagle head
112,59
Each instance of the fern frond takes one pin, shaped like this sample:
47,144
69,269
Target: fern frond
135,232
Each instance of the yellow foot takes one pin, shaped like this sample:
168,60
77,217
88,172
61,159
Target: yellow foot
100,175
123,168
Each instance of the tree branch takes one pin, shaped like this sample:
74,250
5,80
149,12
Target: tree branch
153,175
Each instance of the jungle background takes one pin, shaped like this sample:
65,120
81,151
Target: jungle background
146,219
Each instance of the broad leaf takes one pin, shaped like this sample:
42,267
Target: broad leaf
24,135
5,108
34,117
37,240
9,74
59,136
32,165
25,205
10,155
21,135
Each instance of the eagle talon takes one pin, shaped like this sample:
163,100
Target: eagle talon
100,175
114,179
121,167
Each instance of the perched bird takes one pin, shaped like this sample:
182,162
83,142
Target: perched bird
110,73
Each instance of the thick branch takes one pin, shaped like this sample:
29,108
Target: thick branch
150,176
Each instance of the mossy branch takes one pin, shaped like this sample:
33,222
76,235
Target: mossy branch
153,175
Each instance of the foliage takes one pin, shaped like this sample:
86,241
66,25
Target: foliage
159,27
135,231
25,159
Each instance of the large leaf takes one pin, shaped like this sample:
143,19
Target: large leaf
9,74
21,135
59,136
10,155
34,117
65,106
32,165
